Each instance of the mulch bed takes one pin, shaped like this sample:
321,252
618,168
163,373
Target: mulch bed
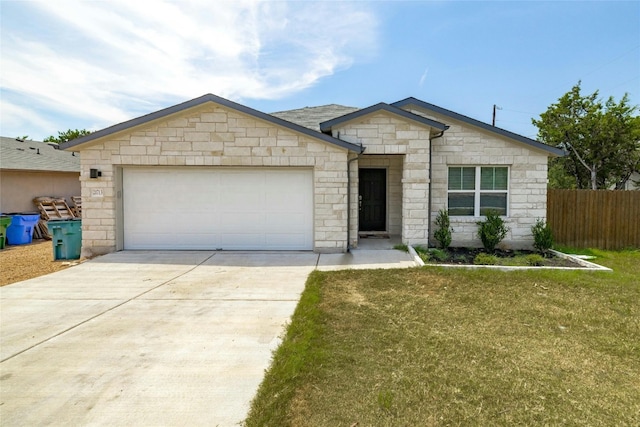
465,256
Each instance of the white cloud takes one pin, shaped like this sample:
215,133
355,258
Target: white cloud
18,121
105,62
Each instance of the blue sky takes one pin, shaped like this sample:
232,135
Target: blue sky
71,64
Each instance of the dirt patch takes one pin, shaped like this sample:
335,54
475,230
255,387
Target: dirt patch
22,262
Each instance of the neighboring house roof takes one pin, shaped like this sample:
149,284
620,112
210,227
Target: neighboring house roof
326,126
311,117
200,101
36,156
439,110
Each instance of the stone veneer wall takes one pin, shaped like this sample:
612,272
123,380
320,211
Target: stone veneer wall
386,134
462,145
213,136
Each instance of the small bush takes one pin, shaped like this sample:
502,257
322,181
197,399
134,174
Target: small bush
485,259
462,258
424,257
542,236
423,253
492,230
439,254
444,230
535,260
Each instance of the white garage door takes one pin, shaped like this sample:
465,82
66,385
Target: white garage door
233,209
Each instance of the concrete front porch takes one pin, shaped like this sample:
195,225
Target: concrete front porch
381,242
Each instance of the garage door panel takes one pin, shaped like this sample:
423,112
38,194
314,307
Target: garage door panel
169,241
238,201
208,208
242,222
284,222
281,202
240,241
278,241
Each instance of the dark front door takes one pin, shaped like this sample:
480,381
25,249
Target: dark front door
373,199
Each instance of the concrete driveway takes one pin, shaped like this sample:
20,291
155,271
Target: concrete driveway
152,338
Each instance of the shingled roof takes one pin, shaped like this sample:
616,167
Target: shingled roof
311,117
36,156
327,125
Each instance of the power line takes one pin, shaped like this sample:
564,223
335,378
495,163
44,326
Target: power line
598,68
611,61
623,83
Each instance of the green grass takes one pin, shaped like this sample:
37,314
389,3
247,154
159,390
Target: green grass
401,247
575,251
460,347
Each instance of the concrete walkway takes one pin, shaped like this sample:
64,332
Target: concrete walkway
152,338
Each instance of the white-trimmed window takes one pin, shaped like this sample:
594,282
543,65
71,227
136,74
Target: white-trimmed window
474,190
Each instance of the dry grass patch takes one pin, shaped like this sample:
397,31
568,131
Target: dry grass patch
22,262
440,347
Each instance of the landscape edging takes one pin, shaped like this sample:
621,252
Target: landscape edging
586,265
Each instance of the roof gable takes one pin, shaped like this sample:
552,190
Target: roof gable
36,156
485,126
329,124
176,109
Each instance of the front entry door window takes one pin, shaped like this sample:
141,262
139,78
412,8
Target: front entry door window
373,199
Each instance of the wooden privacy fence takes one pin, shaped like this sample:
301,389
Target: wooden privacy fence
595,218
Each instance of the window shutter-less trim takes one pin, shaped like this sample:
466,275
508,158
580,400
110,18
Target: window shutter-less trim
475,190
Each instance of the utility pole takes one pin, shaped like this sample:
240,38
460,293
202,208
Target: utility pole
495,107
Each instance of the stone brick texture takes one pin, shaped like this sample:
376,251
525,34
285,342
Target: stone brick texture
214,136
462,145
211,136
393,142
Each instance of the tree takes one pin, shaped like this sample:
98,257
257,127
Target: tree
558,175
67,136
602,139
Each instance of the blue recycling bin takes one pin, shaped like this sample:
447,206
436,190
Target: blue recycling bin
66,237
20,231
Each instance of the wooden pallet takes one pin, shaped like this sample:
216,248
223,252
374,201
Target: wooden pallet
41,231
76,201
52,208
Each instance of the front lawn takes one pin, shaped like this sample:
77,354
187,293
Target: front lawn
460,347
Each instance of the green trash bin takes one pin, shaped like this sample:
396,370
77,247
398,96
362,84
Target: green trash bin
5,221
66,237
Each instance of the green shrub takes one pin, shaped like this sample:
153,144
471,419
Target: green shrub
444,230
421,249
542,236
485,259
423,253
439,254
492,230
424,257
535,260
